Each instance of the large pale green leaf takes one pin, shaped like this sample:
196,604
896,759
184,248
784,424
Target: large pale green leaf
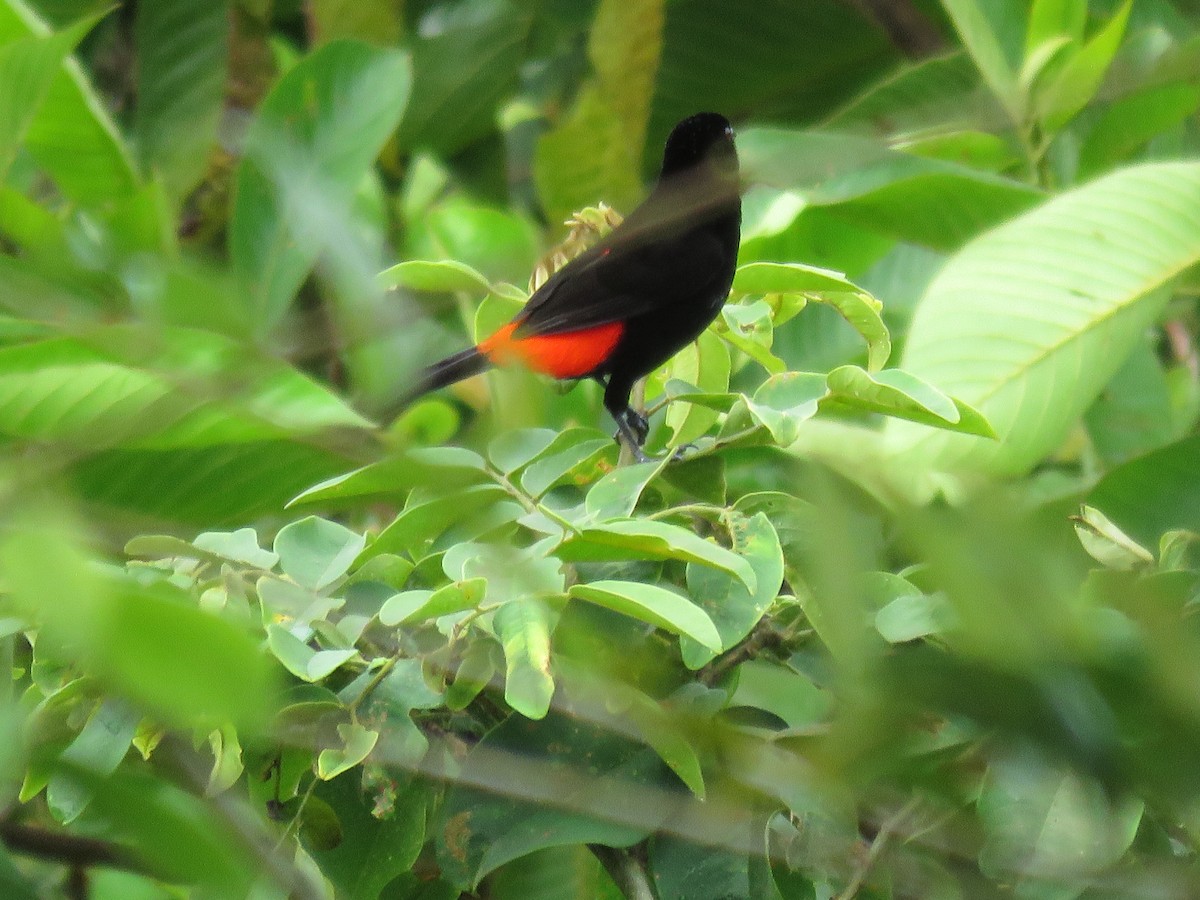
182,58
1029,322
927,201
315,138
72,135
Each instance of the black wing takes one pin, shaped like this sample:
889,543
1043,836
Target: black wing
624,277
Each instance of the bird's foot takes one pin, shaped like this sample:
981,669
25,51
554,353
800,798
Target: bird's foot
632,429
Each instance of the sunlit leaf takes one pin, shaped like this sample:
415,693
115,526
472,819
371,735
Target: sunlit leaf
654,605
644,539
1028,322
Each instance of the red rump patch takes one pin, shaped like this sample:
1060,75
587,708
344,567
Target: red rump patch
569,354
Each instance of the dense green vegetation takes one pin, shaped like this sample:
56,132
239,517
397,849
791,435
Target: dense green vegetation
914,616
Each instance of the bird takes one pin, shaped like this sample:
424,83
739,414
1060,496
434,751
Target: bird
632,301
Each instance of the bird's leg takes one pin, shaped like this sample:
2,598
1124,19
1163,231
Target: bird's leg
632,426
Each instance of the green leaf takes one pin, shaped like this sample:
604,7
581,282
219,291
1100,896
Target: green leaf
523,626
748,327
499,810
682,868
984,27
382,832
446,276
927,201
655,605
473,674
1041,823
863,312
448,466
645,539
416,606
98,749
940,93
595,153
1135,413
784,278
310,145
206,486
766,44
357,744
300,659
183,61
316,552
733,608
156,388
380,23
704,364
617,493
467,60
911,616
585,453
1049,19
424,520
1030,321
71,136
1074,85
760,684
239,546
514,449
783,402
855,305
1108,544
184,665
1129,123
901,395
1153,494
28,68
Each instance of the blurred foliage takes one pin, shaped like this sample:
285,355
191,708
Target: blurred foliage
913,616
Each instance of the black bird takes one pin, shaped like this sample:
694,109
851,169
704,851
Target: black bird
627,305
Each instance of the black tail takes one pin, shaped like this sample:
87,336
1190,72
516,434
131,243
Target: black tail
454,368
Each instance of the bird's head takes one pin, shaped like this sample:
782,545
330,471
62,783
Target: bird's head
705,138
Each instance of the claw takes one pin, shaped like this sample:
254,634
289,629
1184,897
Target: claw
632,429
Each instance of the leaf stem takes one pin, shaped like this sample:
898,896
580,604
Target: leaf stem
625,870
526,500
886,830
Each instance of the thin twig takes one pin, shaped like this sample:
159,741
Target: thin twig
70,849
886,830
